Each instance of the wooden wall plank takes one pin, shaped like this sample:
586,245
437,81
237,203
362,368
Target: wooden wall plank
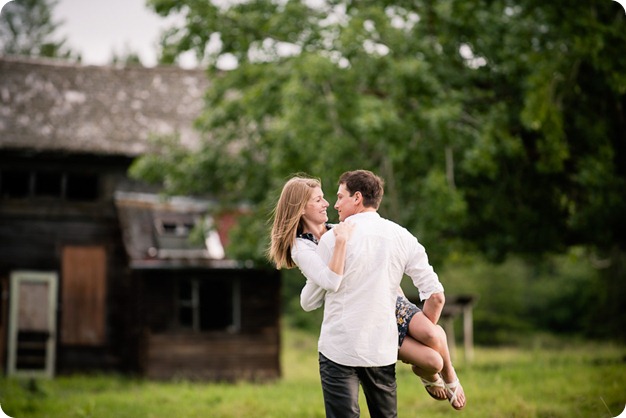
83,320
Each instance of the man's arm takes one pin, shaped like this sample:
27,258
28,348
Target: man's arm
425,279
433,306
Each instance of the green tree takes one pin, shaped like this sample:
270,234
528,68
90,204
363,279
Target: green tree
28,29
548,168
498,125
321,89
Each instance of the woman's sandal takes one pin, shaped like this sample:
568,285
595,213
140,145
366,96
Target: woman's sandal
451,389
439,383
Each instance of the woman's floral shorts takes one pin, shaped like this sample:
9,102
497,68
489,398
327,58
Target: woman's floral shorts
405,311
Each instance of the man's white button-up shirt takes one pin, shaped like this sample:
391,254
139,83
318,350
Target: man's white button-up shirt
359,327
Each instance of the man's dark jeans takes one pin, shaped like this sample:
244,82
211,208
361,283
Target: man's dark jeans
340,385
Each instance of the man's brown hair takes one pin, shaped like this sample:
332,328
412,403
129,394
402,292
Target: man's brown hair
367,183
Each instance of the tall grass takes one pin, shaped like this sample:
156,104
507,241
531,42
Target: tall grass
563,380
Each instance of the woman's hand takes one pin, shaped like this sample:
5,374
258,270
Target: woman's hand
343,231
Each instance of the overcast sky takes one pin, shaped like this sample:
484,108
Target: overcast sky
98,28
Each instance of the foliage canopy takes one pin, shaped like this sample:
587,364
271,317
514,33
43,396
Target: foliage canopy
28,29
497,125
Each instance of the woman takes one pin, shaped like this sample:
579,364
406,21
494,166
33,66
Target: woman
300,220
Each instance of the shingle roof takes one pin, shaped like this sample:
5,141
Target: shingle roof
49,105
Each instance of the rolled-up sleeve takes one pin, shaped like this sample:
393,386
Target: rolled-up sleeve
420,271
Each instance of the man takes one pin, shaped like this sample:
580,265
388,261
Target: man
359,337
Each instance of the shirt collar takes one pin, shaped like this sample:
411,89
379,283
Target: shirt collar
310,236
364,215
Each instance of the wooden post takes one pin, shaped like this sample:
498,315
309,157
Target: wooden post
448,326
468,333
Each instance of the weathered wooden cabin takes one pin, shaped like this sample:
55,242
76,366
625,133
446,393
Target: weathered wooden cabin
97,272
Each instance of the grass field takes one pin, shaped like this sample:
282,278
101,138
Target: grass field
565,380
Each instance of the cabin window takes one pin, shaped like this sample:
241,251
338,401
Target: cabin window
48,184
14,183
81,186
175,227
22,184
175,233
209,305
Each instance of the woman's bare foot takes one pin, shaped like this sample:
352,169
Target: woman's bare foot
456,395
435,386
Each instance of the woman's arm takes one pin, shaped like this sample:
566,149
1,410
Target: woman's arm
312,266
338,260
317,273
311,296
328,277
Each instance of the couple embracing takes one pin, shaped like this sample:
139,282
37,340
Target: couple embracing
354,269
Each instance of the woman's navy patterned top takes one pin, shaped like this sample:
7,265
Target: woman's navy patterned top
311,237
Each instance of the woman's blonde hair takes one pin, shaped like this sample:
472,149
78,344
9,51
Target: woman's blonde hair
288,218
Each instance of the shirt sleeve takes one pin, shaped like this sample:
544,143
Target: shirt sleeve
314,268
311,296
420,271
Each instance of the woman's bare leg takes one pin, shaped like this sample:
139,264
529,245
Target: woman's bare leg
425,363
424,331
